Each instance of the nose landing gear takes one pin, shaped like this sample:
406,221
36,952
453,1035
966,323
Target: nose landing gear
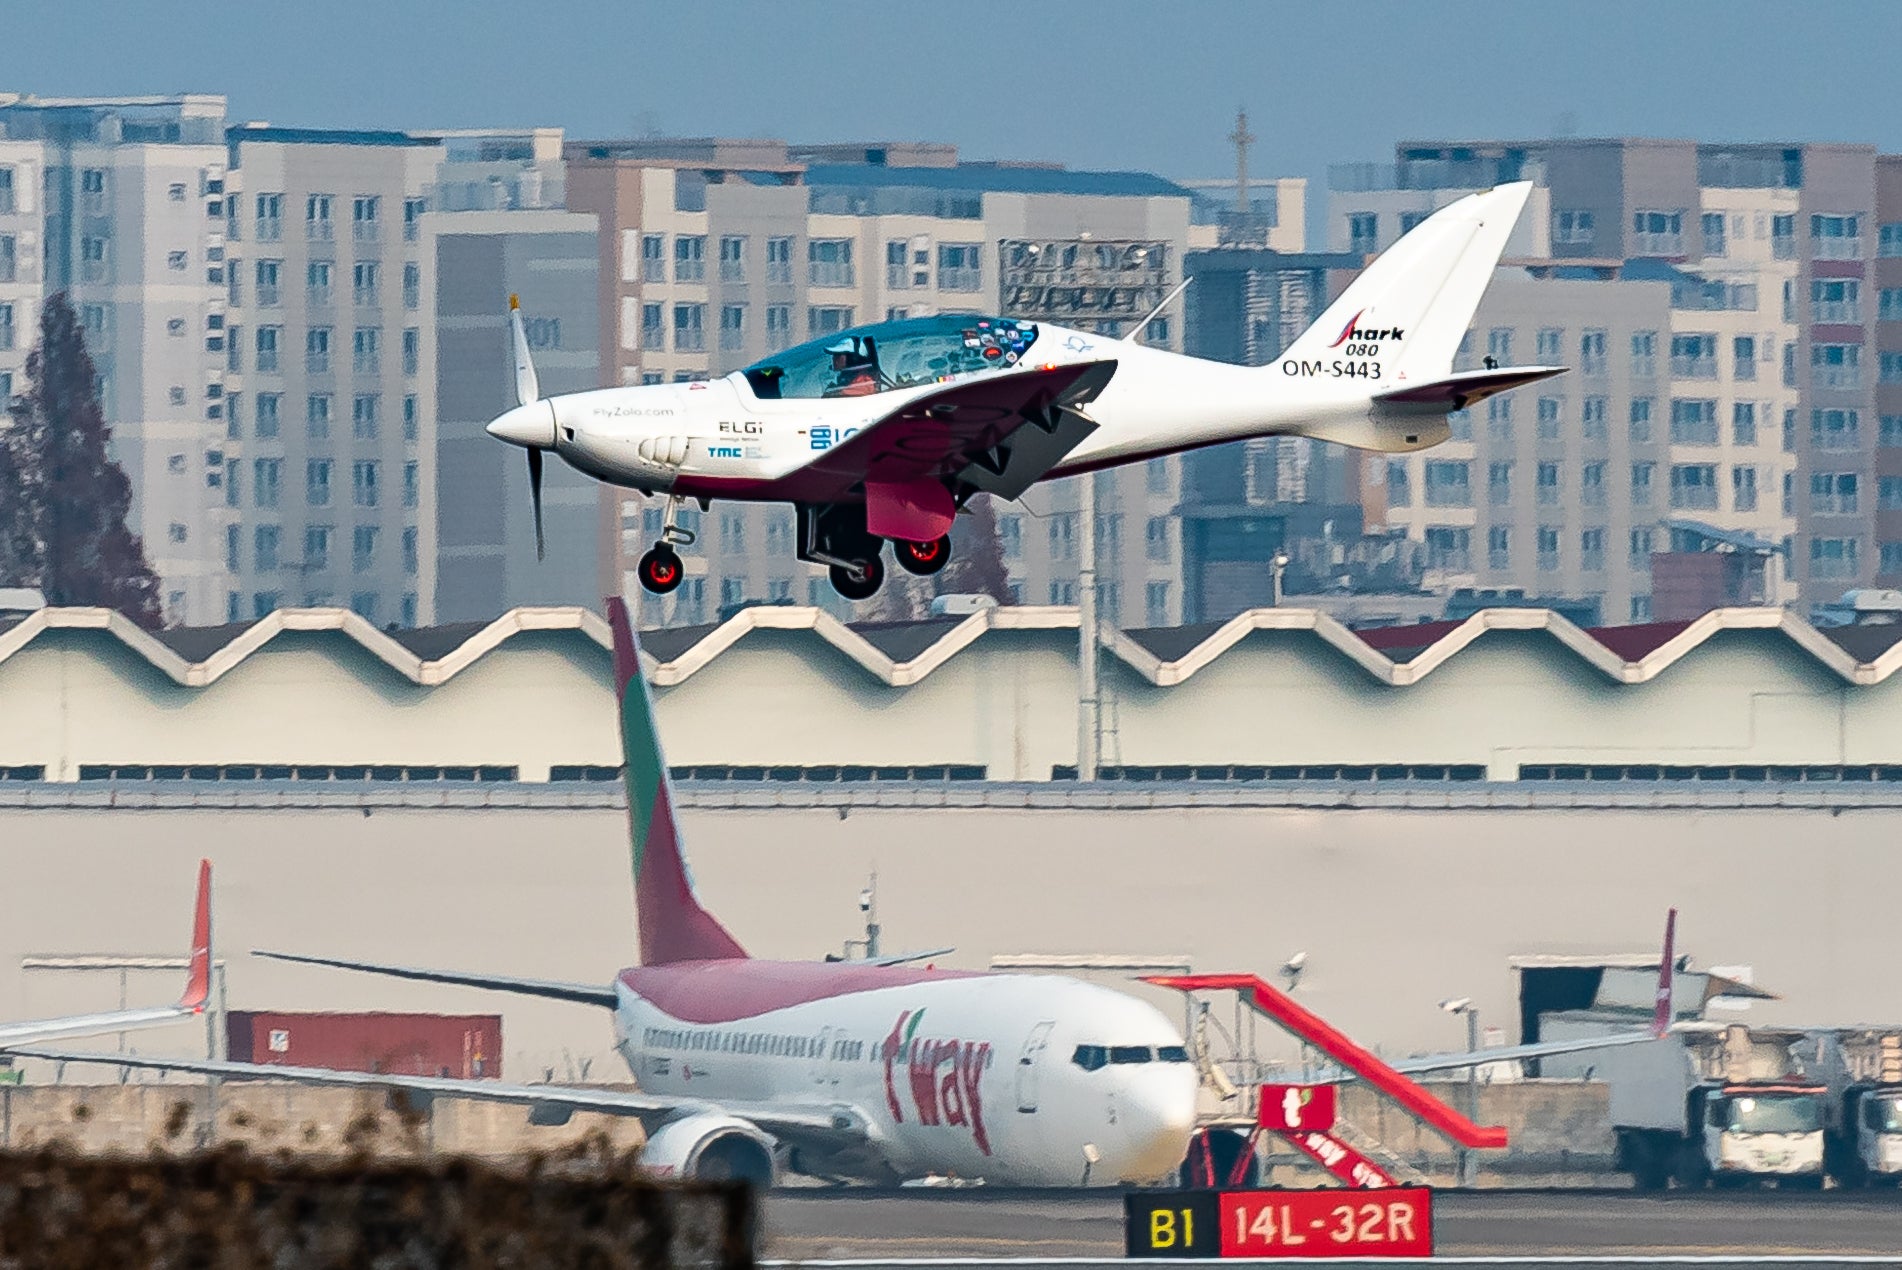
659,569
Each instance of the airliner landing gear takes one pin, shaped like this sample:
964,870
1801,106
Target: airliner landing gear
659,569
923,558
860,581
834,535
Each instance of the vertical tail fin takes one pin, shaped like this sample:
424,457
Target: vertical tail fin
1661,1017
1411,306
673,926
198,972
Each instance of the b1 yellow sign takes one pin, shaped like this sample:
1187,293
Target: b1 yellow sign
1395,1222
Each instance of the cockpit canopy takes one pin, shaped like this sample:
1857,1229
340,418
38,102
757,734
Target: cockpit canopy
889,355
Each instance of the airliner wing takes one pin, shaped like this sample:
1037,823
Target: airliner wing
554,989
772,1118
1508,1054
190,1002
997,433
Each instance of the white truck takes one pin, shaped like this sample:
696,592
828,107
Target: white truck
1865,1137
1711,1104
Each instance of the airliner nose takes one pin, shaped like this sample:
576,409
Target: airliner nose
532,425
1159,1118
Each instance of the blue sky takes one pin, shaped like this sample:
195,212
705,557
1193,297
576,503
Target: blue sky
1107,84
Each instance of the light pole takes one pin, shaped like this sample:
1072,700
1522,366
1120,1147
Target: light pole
1465,1006
1276,567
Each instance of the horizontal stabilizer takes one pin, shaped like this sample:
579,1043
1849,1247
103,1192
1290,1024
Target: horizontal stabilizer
1462,388
553,989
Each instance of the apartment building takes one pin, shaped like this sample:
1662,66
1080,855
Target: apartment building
715,252
1765,251
1888,439
119,202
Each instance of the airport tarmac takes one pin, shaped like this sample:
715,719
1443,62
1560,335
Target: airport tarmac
807,1225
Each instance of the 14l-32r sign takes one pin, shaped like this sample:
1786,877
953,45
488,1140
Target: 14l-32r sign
1396,1222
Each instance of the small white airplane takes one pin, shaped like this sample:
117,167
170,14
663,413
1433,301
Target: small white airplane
875,1070
884,432
192,1002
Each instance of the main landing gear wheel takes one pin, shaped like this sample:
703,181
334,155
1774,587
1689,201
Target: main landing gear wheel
923,558
660,570
862,584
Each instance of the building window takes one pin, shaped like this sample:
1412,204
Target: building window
1640,420
412,350
1644,353
1743,489
1836,237
1641,548
1592,411
92,259
1836,366
1449,547
732,326
1835,300
366,225
1591,550
1744,358
653,258
1694,356
958,267
1889,240
364,279
412,483
264,547
1499,345
412,285
317,482
1572,227
269,272
409,418
1889,435
9,259
363,483
1399,486
413,209
317,350
1743,423
1712,224
1641,480
1499,484
1693,421
1498,547
1833,557
1694,486
690,333
1550,341
1591,481
363,542
733,258
1548,545
267,477
1550,409
1657,233
1448,484
366,356
779,261
1789,493
1548,484
1889,368
897,264
316,548
653,327
1062,534
363,604
1890,560
829,263
1010,536
1156,539
317,416
690,258
267,406
7,204
1833,494
778,325
1156,603
825,319
1363,233
410,560
365,408
1591,353
317,226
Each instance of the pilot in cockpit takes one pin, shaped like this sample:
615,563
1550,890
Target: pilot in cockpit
854,368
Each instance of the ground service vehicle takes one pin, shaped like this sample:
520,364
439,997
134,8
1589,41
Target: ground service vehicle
1720,1104
1864,1144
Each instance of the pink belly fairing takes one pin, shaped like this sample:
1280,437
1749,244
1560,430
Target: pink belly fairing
708,992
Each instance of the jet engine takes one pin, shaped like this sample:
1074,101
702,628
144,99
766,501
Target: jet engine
711,1147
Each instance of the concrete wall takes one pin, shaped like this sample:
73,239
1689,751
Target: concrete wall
1396,908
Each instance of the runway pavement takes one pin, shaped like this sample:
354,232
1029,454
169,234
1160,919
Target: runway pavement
806,1225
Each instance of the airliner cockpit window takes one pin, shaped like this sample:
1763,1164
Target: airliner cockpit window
890,355
1090,1057
1129,1053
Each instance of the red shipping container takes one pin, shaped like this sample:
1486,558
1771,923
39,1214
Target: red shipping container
467,1046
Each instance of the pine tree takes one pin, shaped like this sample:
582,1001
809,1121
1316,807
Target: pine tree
70,500
977,555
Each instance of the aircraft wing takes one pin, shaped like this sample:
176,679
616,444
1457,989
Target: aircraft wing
997,433
554,989
779,1120
190,1002
1462,388
1513,1053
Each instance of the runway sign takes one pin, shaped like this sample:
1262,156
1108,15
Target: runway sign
1397,1222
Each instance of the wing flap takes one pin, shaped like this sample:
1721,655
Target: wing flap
553,989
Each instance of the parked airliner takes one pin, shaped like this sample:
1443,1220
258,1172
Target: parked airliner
884,432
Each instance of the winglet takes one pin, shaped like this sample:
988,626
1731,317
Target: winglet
1661,1018
198,974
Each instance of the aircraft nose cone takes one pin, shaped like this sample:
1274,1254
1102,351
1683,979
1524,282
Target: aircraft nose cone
1159,1117
532,425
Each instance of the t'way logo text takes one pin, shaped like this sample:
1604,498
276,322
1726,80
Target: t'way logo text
942,1073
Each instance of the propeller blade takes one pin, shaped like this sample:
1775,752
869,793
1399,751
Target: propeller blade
527,387
535,496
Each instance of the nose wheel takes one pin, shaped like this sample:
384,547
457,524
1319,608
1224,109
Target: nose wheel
659,570
923,558
860,580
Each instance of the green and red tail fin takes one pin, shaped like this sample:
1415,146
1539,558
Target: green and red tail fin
673,925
